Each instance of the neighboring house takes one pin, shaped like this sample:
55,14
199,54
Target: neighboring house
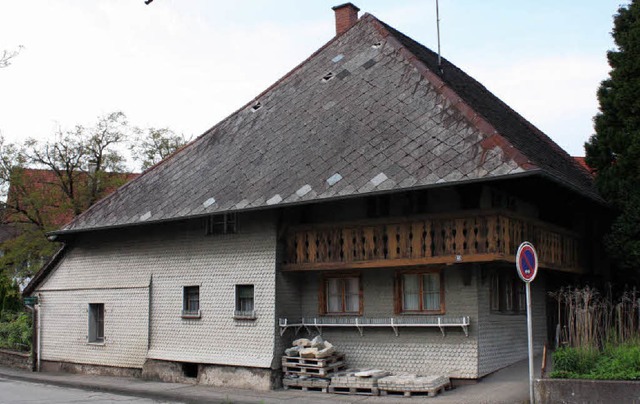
35,199
369,194
583,163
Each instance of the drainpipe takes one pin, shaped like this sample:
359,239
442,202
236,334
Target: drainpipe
39,330
34,349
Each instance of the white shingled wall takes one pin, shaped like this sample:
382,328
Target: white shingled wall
117,269
65,323
417,350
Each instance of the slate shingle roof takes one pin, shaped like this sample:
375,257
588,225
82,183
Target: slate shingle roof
368,112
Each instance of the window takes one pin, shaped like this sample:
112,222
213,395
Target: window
341,295
191,302
225,223
507,294
244,302
96,322
420,292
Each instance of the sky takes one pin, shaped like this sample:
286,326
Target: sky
187,64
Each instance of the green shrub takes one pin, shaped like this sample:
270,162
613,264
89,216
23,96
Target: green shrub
575,360
15,331
620,362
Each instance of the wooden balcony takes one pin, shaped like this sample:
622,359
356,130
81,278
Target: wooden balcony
463,237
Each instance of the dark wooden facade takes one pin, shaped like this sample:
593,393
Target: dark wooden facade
478,236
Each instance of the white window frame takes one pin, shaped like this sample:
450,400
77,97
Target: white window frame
188,309
95,328
242,311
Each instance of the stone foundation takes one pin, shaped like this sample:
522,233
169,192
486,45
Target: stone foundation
212,375
55,366
15,359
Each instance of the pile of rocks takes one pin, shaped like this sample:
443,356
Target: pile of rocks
314,365
409,385
314,348
357,381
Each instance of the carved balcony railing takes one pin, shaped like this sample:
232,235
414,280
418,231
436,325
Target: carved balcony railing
464,237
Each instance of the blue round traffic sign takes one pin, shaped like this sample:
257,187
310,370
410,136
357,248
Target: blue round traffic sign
527,262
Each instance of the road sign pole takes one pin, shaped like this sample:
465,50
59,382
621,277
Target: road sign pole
530,340
527,267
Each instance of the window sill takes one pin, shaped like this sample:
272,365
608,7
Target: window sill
341,314
191,315
245,315
96,343
422,313
509,313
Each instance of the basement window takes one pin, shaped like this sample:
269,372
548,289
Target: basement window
225,223
190,370
96,323
245,302
191,302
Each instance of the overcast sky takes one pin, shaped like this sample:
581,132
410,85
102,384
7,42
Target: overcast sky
187,64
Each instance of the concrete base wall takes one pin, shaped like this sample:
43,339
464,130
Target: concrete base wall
55,366
213,375
239,377
14,359
586,391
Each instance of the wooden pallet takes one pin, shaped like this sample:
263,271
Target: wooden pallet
361,391
306,388
311,362
413,393
320,385
314,371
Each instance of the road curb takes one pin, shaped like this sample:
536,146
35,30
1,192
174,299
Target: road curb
83,385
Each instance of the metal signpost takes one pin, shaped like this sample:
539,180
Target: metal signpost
527,266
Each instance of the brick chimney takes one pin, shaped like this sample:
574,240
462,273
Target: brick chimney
346,17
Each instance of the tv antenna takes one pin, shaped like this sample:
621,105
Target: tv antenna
438,28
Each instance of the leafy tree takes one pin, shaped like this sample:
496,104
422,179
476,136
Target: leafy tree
79,167
83,159
153,145
614,150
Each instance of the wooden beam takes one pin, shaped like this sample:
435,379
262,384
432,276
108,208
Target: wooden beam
404,262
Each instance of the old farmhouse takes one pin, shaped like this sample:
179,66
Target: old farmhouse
371,194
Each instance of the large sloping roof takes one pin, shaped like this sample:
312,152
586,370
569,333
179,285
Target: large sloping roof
368,112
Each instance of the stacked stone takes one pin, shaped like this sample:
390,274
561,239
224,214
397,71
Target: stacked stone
409,385
354,381
308,365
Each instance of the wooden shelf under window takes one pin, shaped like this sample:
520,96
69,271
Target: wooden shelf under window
360,323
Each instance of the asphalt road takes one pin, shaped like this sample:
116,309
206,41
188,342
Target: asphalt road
14,391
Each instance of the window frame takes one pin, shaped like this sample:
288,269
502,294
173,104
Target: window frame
223,223
188,311
508,289
323,296
95,329
399,291
245,314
